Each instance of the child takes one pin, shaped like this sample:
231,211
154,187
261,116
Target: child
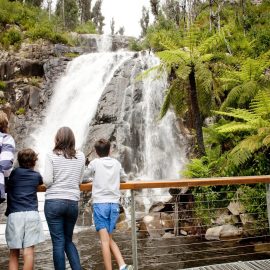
107,172
24,228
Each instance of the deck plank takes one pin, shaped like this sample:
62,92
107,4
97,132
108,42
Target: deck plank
249,265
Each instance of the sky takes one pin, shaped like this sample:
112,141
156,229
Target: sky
126,13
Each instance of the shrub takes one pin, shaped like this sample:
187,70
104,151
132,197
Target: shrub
86,28
135,45
11,37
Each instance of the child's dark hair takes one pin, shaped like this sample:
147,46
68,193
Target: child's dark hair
102,147
27,158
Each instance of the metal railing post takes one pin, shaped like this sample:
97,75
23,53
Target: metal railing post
134,232
268,202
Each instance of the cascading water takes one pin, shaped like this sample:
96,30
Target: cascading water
157,149
76,97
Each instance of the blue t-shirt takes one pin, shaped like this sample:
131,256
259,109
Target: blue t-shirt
22,190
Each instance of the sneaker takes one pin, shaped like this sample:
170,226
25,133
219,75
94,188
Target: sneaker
129,267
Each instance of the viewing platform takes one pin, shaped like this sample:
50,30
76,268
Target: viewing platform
165,224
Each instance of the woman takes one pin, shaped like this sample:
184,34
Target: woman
64,168
7,150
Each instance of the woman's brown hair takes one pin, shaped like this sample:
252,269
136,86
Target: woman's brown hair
65,143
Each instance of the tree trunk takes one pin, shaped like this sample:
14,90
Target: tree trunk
196,112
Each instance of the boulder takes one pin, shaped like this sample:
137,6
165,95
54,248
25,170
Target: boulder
157,224
213,233
236,208
230,231
224,231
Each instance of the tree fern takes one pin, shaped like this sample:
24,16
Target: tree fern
255,122
244,84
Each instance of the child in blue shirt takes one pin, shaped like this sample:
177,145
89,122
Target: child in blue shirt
24,228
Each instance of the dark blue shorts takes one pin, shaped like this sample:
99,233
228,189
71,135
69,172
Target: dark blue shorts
106,216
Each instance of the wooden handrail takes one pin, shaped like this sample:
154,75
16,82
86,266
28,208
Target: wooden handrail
194,182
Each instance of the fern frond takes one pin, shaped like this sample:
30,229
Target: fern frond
235,127
166,104
239,113
244,150
266,141
146,73
232,97
249,90
167,42
173,56
261,104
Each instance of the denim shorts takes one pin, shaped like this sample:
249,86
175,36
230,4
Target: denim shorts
24,229
106,216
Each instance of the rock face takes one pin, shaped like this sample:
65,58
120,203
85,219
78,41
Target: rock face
30,74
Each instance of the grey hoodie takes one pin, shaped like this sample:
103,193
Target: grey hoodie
106,173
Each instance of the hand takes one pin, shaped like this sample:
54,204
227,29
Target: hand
2,193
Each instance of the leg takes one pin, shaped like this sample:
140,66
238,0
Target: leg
105,246
28,258
14,259
116,252
54,210
70,248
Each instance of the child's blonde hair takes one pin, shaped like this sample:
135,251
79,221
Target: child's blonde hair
3,122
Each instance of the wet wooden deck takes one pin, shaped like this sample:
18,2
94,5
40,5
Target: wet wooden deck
249,265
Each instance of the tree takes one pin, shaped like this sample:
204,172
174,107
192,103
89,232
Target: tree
112,25
155,8
171,8
121,31
68,10
192,73
36,3
144,21
97,17
85,9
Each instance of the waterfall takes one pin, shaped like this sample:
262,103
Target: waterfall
76,97
149,147
155,145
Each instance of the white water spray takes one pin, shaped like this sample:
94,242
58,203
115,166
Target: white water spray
76,97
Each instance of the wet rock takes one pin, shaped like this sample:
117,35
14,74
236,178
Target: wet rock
34,98
224,217
6,70
156,224
31,68
236,208
157,207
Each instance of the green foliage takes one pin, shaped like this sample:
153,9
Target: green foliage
20,111
30,22
71,54
86,28
11,37
254,124
135,45
2,85
254,201
35,81
70,13
3,101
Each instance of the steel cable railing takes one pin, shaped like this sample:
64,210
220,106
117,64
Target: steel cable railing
177,236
